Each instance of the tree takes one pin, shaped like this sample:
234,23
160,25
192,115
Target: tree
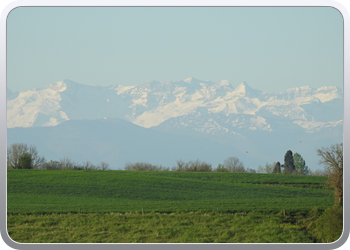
14,153
52,165
25,161
300,165
88,165
260,170
143,166
332,159
192,166
180,165
103,166
268,169
289,167
277,168
66,164
38,161
233,164
250,170
16,150
198,166
220,168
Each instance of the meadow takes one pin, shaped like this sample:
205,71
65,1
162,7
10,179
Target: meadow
161,206
156,228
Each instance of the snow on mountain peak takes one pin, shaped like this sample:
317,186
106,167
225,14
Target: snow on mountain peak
223,84
154,102
245,90
326,94
242,87
34,105
190,79
196,81
58,86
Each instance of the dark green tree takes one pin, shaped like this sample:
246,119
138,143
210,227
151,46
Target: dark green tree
289,167
25,161
277,168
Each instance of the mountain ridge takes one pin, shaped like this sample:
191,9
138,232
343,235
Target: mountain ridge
154,102
212,117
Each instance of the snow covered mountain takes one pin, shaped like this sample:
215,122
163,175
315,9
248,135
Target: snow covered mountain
152,103
241,119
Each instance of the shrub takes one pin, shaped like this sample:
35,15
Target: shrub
25,161
329,226
141,166
192,166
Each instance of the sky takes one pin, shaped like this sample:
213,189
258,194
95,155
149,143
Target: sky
270,48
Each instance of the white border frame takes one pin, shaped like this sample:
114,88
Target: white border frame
169,3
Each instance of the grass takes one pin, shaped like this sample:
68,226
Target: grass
154,228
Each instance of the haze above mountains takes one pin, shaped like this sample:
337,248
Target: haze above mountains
161,122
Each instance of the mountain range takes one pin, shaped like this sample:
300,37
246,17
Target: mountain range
160,122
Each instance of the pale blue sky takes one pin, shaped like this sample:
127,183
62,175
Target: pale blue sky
271,48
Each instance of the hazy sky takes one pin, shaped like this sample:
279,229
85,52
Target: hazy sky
271,48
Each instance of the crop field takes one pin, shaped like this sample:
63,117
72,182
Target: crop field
161,206
44,191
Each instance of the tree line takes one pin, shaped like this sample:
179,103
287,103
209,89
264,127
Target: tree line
22,156
231,164
293,164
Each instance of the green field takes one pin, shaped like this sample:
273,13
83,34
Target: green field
42,191
156,228
161,206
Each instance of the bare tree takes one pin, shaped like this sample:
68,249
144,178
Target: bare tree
198,166
14,153
142,166
268,169
103,166
16,150
318,172
38,161
180,165
88,165
233,164
52,165
332,159
192,166
66,164
260,169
